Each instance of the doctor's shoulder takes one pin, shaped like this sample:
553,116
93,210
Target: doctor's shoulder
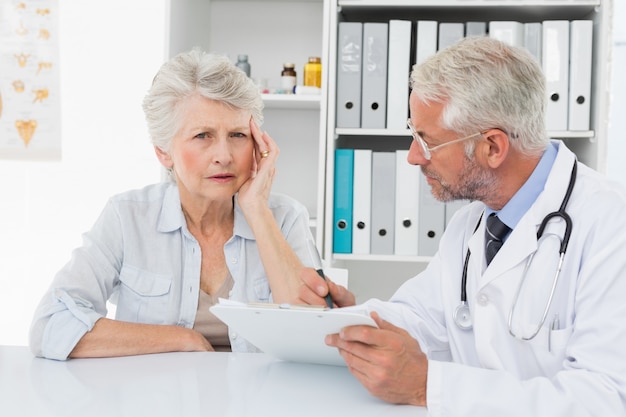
596,193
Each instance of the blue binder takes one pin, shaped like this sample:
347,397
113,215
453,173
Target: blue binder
343,198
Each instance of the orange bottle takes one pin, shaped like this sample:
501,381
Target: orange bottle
313,72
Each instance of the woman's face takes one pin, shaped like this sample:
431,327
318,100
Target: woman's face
212,153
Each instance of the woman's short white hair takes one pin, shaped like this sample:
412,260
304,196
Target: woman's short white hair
196,72
485,84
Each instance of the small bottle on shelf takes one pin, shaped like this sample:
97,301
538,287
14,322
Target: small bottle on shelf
313,72
288,78
243,64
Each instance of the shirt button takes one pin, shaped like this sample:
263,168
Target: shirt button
483,300
233,335
233,260
230,293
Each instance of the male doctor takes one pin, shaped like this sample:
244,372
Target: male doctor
497,339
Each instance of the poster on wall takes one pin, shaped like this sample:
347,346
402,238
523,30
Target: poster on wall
30,108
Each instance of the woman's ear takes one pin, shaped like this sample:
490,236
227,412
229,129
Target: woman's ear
497,147
164,157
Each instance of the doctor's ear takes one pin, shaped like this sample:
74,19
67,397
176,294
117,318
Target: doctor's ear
497,146
164,157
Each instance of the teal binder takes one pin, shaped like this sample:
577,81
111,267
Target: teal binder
343,199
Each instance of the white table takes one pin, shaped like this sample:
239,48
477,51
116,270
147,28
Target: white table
182,385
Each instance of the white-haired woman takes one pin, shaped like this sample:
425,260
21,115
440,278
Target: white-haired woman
165,253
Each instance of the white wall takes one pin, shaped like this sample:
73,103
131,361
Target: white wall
109,53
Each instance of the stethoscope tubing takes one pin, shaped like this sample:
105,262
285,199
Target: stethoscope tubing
462,315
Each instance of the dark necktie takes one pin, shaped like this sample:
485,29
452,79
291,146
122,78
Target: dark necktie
494,234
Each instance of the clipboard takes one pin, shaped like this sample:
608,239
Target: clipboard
291,332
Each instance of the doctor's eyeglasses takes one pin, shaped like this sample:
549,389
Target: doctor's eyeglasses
428,151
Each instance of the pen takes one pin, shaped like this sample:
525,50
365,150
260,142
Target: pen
555,326
317,264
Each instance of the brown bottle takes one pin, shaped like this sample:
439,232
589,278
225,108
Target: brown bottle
288,78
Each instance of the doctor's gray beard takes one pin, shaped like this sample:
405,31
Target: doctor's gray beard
473,183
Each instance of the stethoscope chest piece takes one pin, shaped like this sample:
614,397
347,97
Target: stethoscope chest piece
462,316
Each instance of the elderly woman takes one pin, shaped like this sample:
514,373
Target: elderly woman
165,253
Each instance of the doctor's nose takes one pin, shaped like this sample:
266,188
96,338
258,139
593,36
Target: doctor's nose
416,154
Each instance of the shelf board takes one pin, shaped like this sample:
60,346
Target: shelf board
457,3
467,10
586,134
291,101
380,258
275,1
371,132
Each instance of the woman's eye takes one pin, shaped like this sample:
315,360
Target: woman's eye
238,135
203,135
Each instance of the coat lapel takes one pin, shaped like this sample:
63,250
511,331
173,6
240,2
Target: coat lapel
522,241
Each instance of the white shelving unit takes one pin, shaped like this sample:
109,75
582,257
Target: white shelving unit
368,271
291,102
272,32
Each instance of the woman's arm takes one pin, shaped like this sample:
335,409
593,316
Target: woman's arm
119,338
282,265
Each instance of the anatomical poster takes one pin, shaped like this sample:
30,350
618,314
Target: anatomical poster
30,113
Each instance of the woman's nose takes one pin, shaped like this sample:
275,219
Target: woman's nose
221,151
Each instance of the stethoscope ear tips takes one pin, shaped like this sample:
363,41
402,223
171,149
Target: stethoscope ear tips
462,316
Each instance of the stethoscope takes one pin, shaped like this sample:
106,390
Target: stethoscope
462,316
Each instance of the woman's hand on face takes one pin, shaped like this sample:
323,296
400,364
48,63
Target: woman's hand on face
255,192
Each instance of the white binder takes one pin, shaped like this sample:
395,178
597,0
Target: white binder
508,32
349,49
555,62
431,220
362,201
398,73
383,202
407,205
475,29
449,34
426,42
581,49
374,72
532,39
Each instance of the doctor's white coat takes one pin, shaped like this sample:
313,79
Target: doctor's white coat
576,365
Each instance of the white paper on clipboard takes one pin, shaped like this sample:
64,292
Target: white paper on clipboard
291,333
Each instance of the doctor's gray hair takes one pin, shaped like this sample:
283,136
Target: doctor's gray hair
485,84
196,72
